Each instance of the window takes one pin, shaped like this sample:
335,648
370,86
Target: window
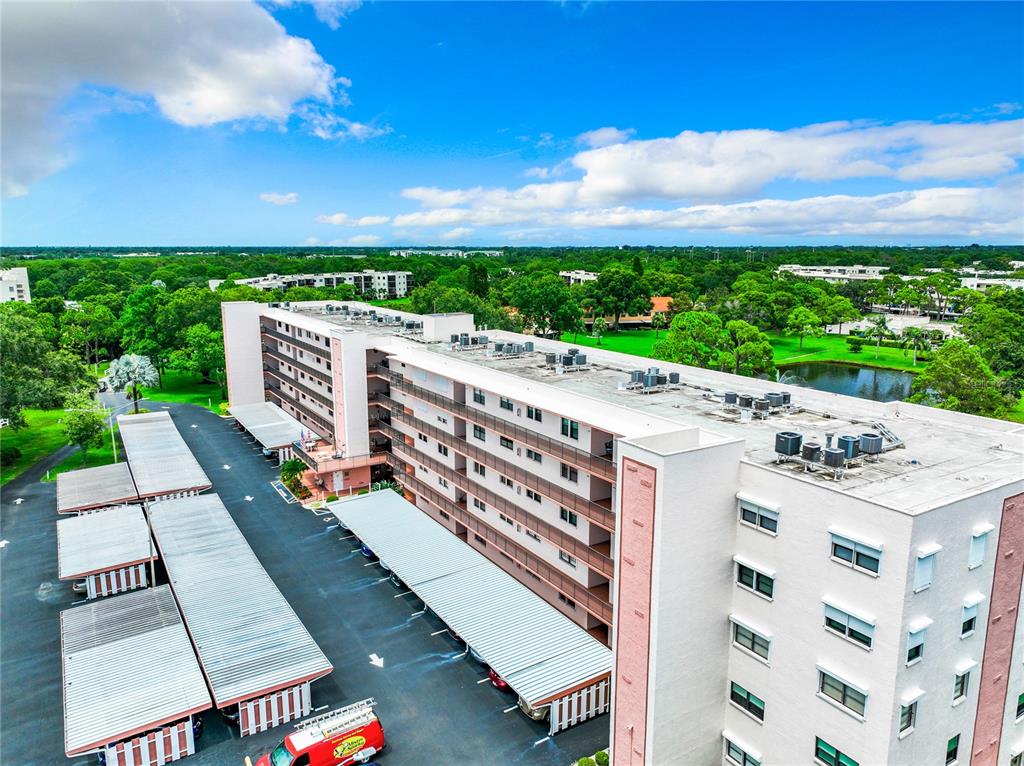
568,516
479,504
825,753
534,535
570,473
1020,705
480,433
506,404
849,697
952,748
478,396
506,519
756,581
570,428
534,414
915,645
747,701
908,716
979,541
1017,760
748,639
567,558
860,556
480,540
738,755
442,482
969,620
533,455
567,601
505,442
535,497
761,518
445,516
478,469
847,625
442,449
961,683
924,571
507,481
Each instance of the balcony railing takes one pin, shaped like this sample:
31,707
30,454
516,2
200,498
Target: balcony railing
599,607
312,394
285,359
326,463
318,419
591,510
559,538
593,464
321,351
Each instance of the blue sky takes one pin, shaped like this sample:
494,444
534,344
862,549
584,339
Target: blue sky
512,123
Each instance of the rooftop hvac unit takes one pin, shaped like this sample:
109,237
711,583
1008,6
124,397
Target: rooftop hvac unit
636,376
329,308
785,397
484,340
788,443
463,341
662,379
580,358
455,337
731,397
761,405
774,399
498,346
811,452
551,358
673,377
650,381
568,359
849,445
573,351
528,345
834,457
474,341
746,401
653,370
870,444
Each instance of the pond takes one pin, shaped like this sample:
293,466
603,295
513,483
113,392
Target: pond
866,382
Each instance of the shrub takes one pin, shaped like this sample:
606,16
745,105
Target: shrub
586,762
9,454
601,758
331,498
856,345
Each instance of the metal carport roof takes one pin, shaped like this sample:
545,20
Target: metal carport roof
128,667
89,488
101,541
249,640
160,461
272,426
529,643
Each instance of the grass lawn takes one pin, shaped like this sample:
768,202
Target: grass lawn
96,456
834,348
398,304
639,342
39,438
184,388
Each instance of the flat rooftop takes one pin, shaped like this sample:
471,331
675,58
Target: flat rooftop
101,541
89,488
941,456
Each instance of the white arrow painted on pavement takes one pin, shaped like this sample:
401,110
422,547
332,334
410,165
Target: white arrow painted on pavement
19,500
227,467
248,498
194,425
4,543
377,661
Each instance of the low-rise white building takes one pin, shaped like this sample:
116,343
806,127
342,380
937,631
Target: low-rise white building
14,285
376,284
578,277
835,273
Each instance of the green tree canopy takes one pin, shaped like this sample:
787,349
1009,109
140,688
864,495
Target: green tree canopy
958,379
802,322
83,422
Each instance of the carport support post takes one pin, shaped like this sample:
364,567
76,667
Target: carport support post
152,557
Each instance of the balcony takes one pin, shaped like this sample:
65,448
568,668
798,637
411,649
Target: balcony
321,351
277,356
319,421
312,394
323,458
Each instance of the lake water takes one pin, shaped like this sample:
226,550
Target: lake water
865,382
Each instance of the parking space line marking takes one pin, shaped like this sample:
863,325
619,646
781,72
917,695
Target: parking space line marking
322,707
483,680
402,594
509,709
541,740
382,579
347,538
417,614
369,563
439,632
457,656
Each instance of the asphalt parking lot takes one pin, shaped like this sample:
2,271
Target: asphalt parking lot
434,702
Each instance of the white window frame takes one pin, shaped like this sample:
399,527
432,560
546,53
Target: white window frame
760,510
739,561
965,674
924,567
857,546
837,613
979,546
762,634
916,637
912,707
750,758
861,690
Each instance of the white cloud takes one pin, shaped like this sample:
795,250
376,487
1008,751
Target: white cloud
537,172
546,139
311,241
330,126
360,240
604,137
280,199
456,234
344,219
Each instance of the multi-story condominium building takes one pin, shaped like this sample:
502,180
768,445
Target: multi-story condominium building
14,285
378,284
785,576
447,253
578,277
835,273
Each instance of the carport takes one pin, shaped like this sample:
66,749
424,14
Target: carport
545,657
271,426
252,647
109,549
131,682
89,488
162,465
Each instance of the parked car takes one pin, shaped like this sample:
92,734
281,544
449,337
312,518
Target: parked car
536,713
230,715
397,581
350,735
497,681
79,586
365,550
477,656
385,567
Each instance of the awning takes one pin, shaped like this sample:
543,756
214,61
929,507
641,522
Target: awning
272,426
540,652
250,641
160,461
128,667
101,541
90,488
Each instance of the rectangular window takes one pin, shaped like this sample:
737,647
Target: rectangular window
568,516
736,754
979,541
479,470
534,414
747,701
1020,705
961,684
480,540
750,640
861,556
969,620
567,558
847,625
506,404
442,449
915,645
1017,760
533,455
507,481
478,396
505,442
534,535
756,581
924,571
840,691
442,482
480,433
908,716
825,753
421,437
567,601
570,473
952,748
479,504
535,497
761,518
570,428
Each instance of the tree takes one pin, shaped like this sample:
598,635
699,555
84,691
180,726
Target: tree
915,338
97,325
130,374
836,309
202,355
694,338
479,280
958,379
618,291
544,302
802,321
599,328
747,350
658,321
83,422
878,328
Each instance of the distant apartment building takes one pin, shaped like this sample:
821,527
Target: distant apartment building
578,277
14,285
377,284
786,576
835,273
447,253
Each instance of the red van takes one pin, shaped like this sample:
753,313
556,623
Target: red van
349,735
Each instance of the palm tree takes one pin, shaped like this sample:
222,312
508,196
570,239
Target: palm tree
658,322
915,338
130,374
598,328
878,328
